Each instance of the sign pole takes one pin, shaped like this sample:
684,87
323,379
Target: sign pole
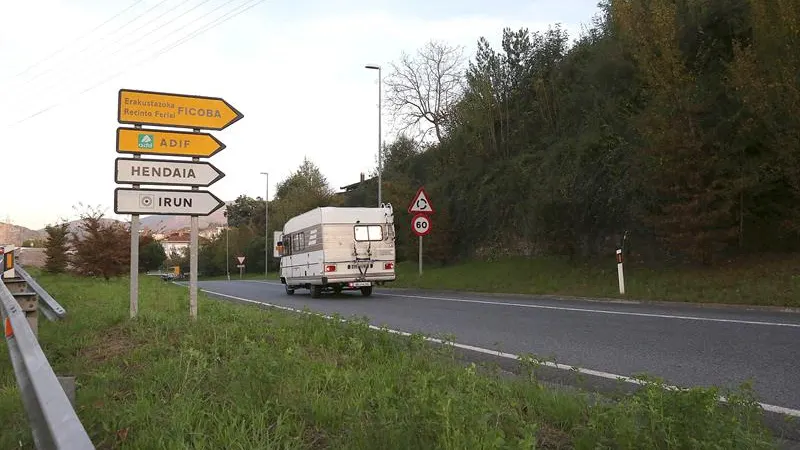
420,223
227,253
420,256
134,265
193,260
134,302
146,108
620,275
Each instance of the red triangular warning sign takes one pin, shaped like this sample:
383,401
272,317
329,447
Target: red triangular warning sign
421,203
241,259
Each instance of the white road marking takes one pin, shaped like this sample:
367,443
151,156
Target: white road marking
583,310
596,373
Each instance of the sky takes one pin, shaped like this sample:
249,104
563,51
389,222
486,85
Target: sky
295,69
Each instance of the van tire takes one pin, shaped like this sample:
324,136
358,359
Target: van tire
366,291
316,291
289,291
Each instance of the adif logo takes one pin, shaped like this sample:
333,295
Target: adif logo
146,141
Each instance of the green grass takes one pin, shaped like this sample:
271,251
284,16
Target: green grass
773,282
244,378
235,276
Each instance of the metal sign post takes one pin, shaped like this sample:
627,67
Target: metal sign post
240,266
161,109
421,225
421,207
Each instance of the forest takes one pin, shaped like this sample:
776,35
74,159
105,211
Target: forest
668,127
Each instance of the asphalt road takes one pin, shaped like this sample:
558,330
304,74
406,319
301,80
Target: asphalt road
685,345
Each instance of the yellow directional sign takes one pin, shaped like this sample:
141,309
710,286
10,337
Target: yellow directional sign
169,143
178,110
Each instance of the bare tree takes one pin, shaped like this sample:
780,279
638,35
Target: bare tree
425,88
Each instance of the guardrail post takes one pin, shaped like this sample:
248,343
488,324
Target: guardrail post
48,306
68,383
49,400
16,285
28,301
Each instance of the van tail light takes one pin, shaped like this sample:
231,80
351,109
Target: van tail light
388,266
330,268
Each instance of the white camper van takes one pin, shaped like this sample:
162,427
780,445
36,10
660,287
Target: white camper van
337,248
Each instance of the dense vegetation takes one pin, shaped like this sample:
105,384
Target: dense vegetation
97,247
673,120
671,123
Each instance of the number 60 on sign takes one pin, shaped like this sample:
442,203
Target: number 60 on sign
421,225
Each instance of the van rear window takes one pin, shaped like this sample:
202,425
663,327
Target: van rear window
368,233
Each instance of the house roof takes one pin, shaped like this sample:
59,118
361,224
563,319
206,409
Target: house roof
355,185
177,238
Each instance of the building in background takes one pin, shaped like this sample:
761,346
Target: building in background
175,242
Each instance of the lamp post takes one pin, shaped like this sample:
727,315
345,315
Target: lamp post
380,140
266,228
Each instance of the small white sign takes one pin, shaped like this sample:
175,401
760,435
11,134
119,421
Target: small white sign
166,172
421,225
421,203
165,202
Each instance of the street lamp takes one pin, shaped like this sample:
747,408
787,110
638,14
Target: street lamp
380,141
266,228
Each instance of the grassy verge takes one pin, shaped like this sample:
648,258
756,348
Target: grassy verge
241,377
235,276
773,282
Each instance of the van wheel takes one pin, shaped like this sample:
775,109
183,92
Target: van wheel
289,291
316,291
366,291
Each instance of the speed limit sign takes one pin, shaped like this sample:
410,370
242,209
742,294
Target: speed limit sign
421,225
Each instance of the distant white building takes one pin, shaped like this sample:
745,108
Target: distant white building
175,242
211,232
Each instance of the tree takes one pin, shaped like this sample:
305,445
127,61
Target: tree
243,210
397,155
426,88
308,180
151,254
56,247
181,259
303,190
102,248
763,75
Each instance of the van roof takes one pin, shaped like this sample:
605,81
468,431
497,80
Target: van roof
340,214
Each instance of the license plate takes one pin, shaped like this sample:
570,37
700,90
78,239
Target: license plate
360,284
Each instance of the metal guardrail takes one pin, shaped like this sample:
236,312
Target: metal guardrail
54,423
52,310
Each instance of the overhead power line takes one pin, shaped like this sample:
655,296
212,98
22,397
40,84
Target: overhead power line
222,19
50,56
74,71
83,50
243,7
78,73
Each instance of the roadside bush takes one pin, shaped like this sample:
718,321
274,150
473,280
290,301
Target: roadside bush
56,246
102,247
